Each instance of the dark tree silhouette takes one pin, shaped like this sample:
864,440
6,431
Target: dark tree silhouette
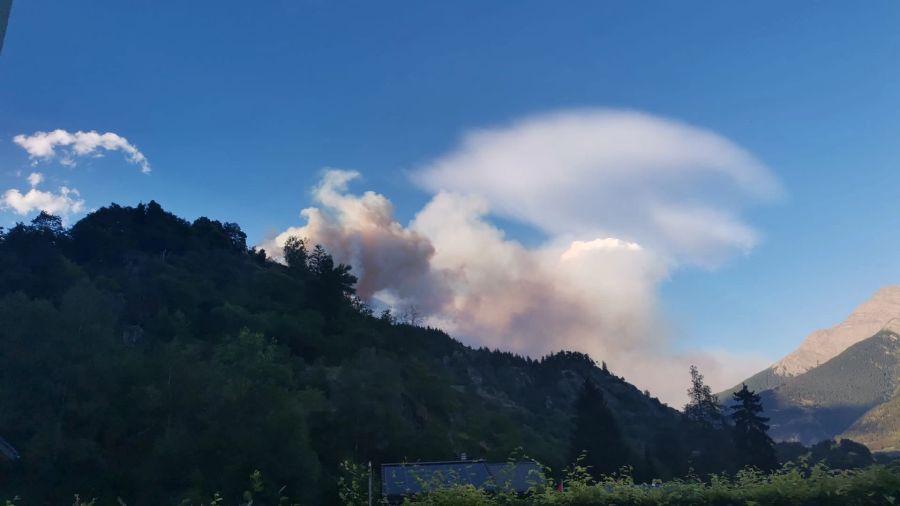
596,433
137,348
333,285
669,450
48,223
752,443
843,454
703,406
296,255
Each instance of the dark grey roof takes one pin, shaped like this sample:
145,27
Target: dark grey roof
408,479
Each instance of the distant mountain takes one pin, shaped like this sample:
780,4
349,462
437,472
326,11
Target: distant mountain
840,381
878,428
829,399
824,344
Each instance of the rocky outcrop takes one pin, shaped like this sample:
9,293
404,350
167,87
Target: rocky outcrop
823,345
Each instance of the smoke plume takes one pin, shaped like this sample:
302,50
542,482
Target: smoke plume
622,199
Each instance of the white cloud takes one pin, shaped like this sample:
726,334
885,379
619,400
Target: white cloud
35,178
623,198
63,203
44,145
593,173
579,249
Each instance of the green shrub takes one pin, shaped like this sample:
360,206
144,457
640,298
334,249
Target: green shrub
793,485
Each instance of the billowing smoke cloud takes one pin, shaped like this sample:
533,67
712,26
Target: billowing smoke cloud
47,145
536,300
360,231
620,208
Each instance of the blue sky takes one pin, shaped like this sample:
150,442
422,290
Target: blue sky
239,106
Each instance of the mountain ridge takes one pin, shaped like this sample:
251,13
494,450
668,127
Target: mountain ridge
839,382
138,348
827,400
824,344
879,311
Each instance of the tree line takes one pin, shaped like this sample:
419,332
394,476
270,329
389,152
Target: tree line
153,359
721,439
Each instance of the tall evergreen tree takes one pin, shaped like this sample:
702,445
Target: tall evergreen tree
752,443
596,433
296,255
703,406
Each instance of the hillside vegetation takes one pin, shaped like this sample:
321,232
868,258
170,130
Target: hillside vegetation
154,359
791,486
850,394
878,428
841,381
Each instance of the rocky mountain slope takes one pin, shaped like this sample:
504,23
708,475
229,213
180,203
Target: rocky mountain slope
829,399
840,381
824,344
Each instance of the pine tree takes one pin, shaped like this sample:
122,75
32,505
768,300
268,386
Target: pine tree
596,433
752,443
703,406
296,255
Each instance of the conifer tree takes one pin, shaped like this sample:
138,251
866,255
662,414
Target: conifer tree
596,433
752,443
703,406
296,255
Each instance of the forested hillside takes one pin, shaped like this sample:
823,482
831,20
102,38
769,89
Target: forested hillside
146,357
878,428
841,382
879,312
828,400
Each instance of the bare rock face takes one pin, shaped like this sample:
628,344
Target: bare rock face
880,311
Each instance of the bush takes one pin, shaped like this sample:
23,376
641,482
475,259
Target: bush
790,486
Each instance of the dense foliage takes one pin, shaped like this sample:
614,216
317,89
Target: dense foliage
840,454
703,406
791,486
878,428
752,444
155,360
596,436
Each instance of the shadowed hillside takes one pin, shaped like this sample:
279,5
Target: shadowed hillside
147,357
827,400
880,311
